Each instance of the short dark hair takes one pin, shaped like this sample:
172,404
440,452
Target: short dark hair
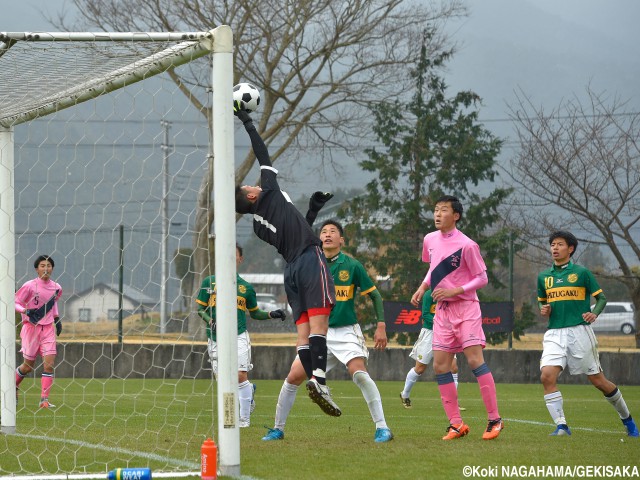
243,205
239,248
568,237
335,223
455,204
44,258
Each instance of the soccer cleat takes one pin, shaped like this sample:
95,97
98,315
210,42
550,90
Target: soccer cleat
493,429
383,435
456,431
44,403
253,402
406,402
561,430
321,395
244,423
273,434
632,429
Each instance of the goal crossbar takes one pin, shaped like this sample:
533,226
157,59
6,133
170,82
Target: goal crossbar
103,36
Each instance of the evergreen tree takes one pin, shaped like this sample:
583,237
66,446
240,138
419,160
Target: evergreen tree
431,146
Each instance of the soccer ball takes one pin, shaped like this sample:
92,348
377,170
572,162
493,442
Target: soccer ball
247,95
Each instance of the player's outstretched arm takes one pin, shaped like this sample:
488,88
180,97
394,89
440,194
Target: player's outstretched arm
258,314
316,202
257,144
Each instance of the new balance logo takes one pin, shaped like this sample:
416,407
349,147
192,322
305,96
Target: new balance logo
408,317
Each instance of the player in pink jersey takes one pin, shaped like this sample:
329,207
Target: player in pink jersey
456,272
37,301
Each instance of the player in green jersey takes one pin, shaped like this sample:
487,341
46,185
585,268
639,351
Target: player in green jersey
422,351
247,302
345,341
564,295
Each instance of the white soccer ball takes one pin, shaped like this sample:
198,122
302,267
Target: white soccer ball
248,96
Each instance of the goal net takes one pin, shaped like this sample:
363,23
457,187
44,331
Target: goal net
108,188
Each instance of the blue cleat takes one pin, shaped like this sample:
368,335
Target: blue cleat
383,435
632,429
273,434
560,430
253,402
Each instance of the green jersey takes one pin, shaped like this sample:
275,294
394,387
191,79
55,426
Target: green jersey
428,310
567,289
246,300
348,275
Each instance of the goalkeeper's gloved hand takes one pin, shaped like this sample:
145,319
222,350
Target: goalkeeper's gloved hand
318,199
58,323
279,313
242,115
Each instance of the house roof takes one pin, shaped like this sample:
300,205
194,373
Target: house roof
130,293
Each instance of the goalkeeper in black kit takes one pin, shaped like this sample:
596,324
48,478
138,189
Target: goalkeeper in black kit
307,279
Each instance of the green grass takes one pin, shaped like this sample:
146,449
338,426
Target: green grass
101,425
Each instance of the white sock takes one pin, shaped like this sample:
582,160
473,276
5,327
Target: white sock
455,379
372,397
285,403
410,381
245,390
619,404
555,407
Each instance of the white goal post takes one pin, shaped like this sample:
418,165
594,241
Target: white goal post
29,91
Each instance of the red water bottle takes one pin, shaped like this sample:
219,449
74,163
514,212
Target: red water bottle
209,455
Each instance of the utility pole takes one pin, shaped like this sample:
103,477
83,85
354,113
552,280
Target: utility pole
511,254
164,266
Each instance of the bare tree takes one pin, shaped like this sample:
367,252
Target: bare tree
578,169
318,63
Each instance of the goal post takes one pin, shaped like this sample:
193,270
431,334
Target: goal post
225,256
41,75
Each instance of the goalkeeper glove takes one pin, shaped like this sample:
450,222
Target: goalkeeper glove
242,115
318,199
281,314
58,323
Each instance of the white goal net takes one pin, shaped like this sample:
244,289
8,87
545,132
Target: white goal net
108,189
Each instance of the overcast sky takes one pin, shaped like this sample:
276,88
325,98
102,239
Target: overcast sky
548,50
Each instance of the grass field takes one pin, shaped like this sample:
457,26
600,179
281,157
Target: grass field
101,425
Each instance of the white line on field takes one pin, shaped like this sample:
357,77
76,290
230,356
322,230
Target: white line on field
146,455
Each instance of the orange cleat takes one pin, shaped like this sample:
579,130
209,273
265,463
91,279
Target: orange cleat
456,431
44,403
493,429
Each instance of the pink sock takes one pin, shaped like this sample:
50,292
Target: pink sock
449,396
488,392
47,382
19,377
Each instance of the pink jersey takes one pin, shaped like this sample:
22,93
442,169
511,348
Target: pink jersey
454,260
36,293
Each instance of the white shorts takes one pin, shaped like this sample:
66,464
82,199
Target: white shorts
573,347
344,344
244,354
423,348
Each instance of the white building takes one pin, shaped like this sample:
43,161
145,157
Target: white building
100,303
